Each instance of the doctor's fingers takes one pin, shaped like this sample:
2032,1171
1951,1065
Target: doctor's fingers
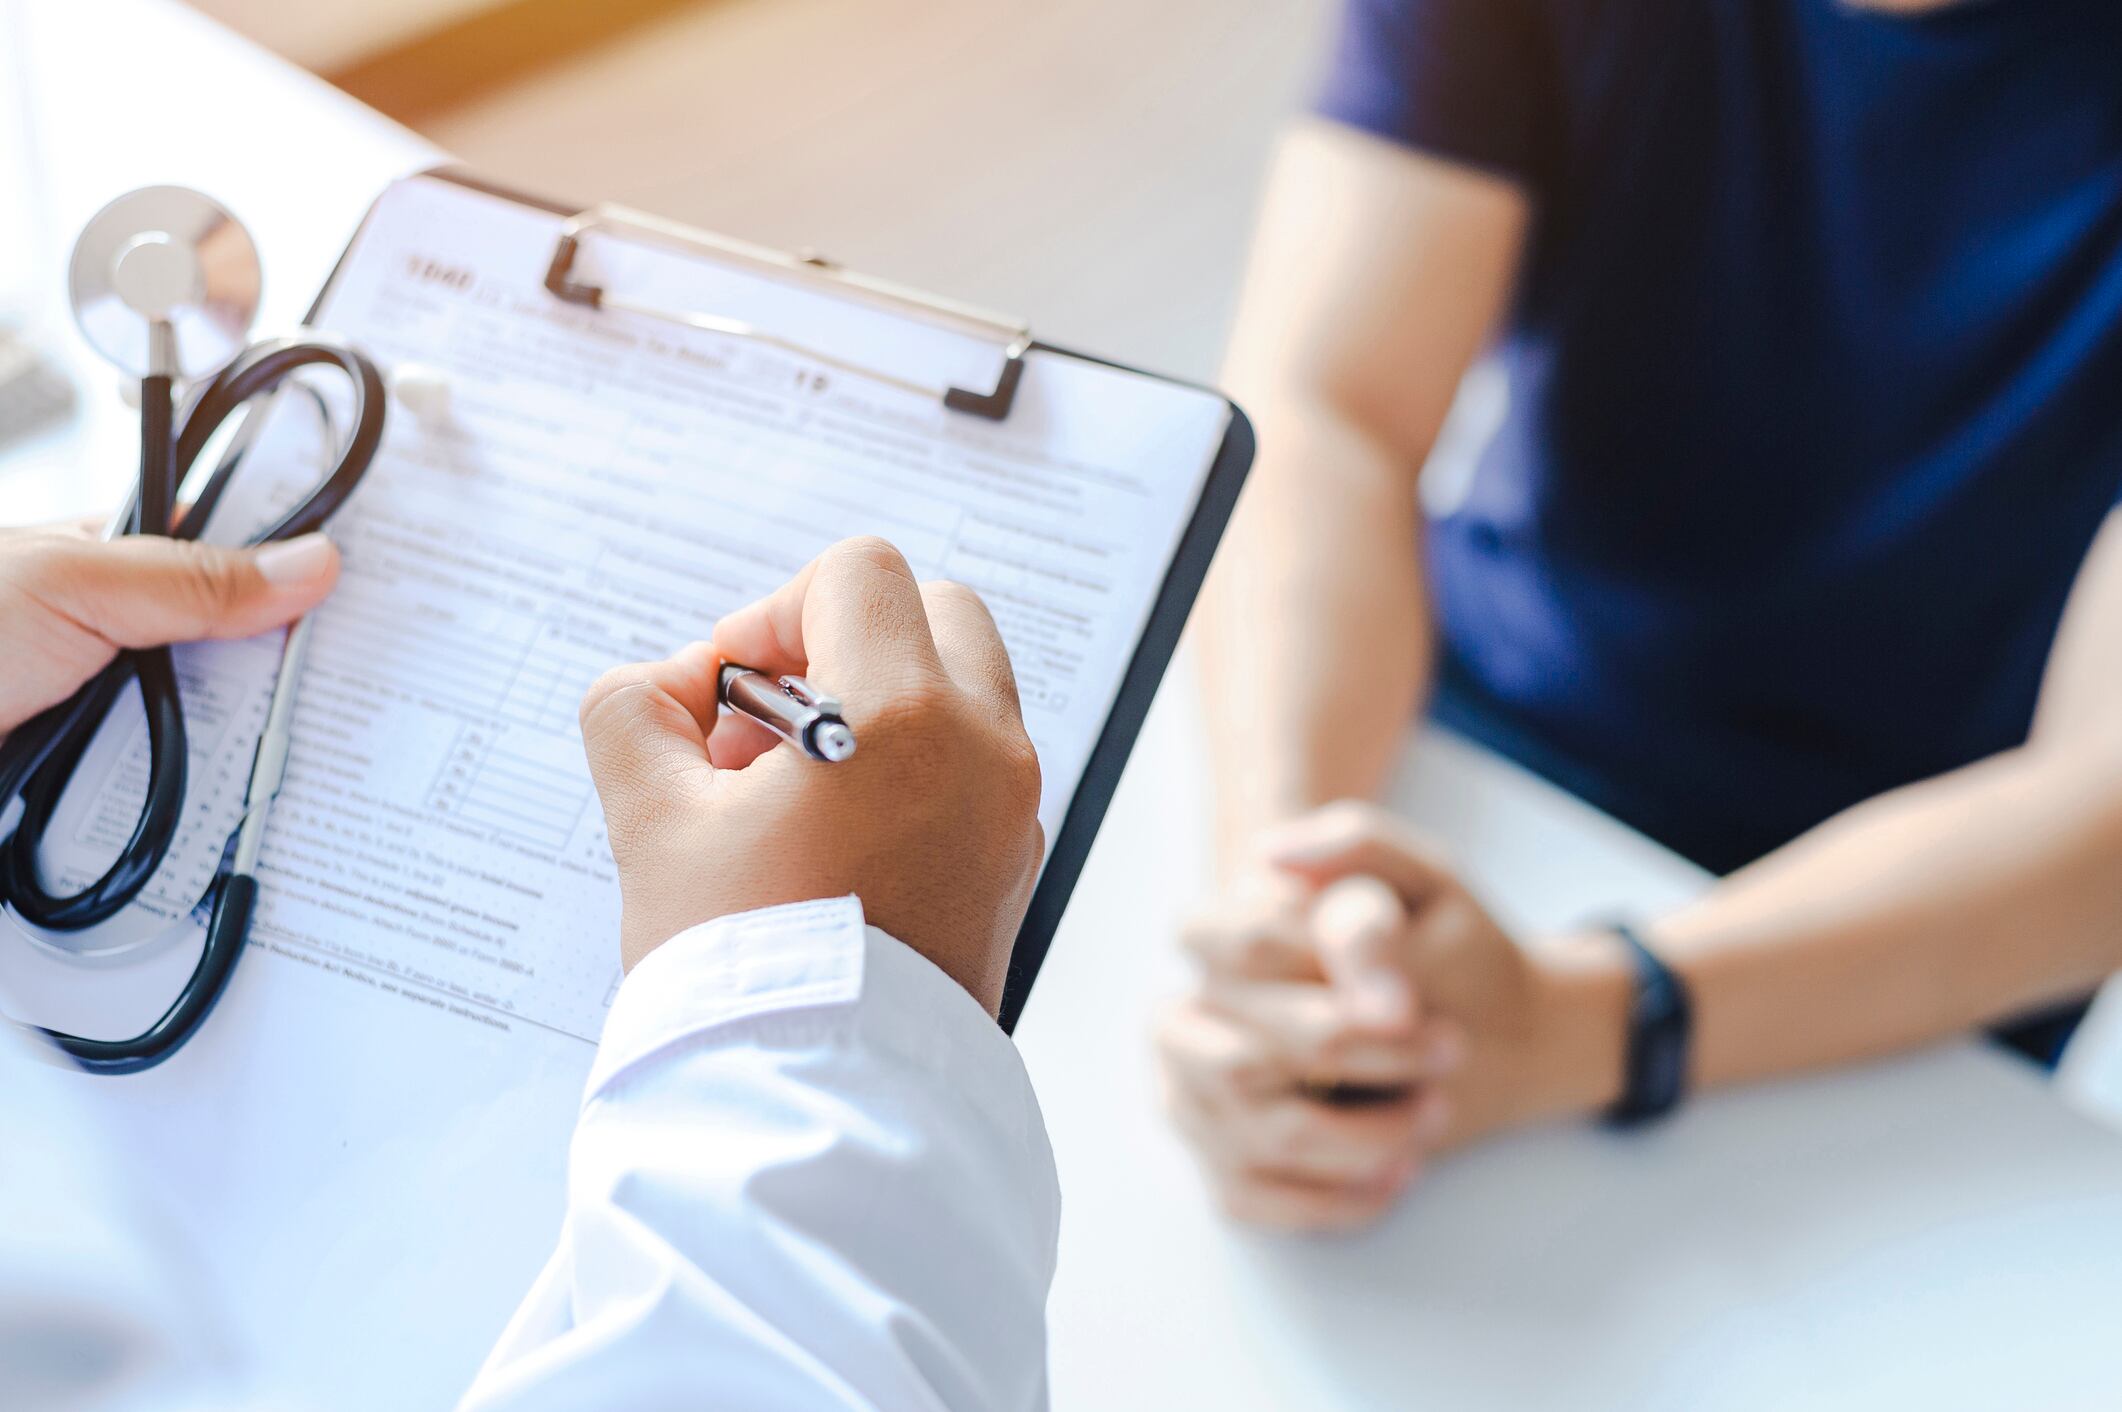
971,647
145,590
852,617
737,740
644,728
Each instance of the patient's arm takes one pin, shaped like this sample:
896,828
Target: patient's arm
1960,901
1376,276
1951,903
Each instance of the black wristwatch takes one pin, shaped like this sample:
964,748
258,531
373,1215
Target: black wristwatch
1660,1026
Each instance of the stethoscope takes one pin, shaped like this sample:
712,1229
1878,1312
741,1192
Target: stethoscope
164,284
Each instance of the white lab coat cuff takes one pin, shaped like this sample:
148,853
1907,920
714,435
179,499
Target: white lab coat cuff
804,973
773,959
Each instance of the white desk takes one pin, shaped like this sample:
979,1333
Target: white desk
1939,1232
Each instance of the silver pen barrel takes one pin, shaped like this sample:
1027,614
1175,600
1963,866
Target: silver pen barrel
791,708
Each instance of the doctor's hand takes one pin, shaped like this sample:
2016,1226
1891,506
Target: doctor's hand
1371,1017
69,602
933,822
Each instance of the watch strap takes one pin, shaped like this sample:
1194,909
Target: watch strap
1660,1031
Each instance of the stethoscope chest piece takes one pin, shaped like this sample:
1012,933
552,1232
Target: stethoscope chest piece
165,257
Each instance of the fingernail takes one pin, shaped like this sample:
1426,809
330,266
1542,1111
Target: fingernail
295,561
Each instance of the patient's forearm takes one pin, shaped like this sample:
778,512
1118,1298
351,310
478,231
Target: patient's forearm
1377,275
1925,912
1315,632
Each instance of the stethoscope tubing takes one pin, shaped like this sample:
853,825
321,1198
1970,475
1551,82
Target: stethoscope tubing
39,758
41,755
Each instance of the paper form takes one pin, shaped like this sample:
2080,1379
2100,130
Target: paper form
603,488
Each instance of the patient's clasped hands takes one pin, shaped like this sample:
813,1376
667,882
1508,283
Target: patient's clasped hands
1359,1010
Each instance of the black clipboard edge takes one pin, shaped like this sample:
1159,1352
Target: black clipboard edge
1138,688
1159,639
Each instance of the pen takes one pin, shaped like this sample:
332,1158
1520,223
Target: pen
791,708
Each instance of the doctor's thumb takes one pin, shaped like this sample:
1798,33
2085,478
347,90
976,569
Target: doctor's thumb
142,591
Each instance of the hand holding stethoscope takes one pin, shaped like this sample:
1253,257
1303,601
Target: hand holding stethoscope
165,284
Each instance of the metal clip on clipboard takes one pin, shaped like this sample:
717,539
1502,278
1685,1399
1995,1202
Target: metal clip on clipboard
1013,336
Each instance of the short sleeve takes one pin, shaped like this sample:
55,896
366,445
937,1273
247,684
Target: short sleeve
1470,81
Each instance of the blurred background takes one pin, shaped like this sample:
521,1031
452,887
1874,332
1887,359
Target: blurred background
1090,165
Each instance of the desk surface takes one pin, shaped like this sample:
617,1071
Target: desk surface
1938,1230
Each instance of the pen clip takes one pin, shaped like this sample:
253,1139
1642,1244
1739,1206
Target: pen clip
803,693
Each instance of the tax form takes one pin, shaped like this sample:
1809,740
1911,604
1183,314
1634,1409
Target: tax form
602,488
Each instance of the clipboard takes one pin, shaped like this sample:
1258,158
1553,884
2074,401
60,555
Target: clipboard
995,401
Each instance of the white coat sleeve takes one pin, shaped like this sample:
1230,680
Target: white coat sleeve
809,1172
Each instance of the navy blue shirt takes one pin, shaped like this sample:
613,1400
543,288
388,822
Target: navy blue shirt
1816,384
